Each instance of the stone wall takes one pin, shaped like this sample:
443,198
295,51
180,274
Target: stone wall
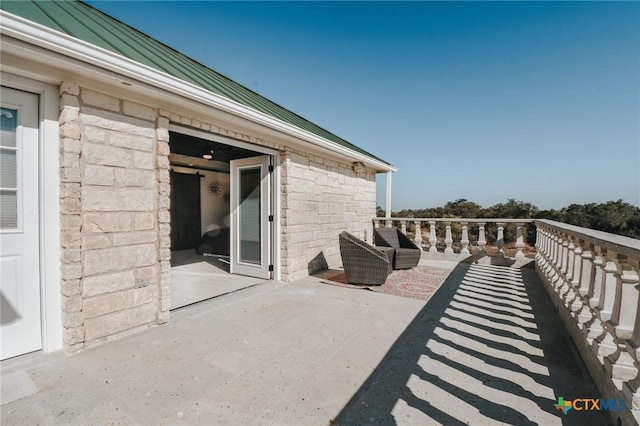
115,218
111,237
320,199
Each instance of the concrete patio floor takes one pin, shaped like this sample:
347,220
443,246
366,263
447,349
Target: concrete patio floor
488,348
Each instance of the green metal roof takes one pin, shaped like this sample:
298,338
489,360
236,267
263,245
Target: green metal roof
86,23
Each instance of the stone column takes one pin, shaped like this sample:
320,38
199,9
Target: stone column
447,239
570,259
609,289
564,256
465,239
519,241
596,289
627,311
70,220
164,224
577,266
482,240
432,237
500,240
418,237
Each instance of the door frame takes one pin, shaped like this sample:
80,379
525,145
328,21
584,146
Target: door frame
49,200
275,183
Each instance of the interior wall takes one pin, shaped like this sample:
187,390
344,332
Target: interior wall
215,210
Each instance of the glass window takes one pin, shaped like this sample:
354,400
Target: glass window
250,215
8,169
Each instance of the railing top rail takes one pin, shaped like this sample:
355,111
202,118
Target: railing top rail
456,219
623,245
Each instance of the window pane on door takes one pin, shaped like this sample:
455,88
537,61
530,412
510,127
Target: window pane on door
8,124
8,172
249,216
8,210
8,169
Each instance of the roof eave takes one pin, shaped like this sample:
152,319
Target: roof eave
39,35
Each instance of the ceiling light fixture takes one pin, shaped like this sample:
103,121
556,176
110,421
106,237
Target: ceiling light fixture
208,155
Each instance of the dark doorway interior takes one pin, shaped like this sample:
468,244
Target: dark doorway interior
185,210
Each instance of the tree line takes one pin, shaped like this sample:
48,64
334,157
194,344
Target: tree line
616,217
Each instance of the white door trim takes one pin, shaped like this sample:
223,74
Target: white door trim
49,182
275,183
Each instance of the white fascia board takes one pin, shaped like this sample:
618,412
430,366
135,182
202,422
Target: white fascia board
39,35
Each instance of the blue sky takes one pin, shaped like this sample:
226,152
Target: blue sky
486,101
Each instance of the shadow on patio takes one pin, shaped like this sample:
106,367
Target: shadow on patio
487,348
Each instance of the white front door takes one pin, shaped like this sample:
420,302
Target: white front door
250,210
20,324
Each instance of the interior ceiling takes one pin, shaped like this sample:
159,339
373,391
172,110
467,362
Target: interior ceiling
190,146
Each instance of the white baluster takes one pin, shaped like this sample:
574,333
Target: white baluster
577,266
500,240
628,310
571,259
465,238
596,289
564,256
585,315
519,241
403,227
418,238
447,239
586,273
482,240
389,223
432,237
608,296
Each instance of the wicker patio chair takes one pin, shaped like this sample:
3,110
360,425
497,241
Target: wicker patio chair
406,255
363,263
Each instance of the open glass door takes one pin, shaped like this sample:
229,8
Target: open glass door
250,210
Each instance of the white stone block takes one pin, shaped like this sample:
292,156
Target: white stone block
71,145
143,160
69,113
114,199
94,134
106,222
124,140
98,175
119,258
89,97
93,286
106,155
104,304
139,111
70,130
140,296
113,323
139,178
69,87
134,238
90,242
118,122
144,221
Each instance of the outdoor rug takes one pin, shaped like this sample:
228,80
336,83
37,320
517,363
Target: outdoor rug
417,283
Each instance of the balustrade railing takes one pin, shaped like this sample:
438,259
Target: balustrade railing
420,223
593,278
